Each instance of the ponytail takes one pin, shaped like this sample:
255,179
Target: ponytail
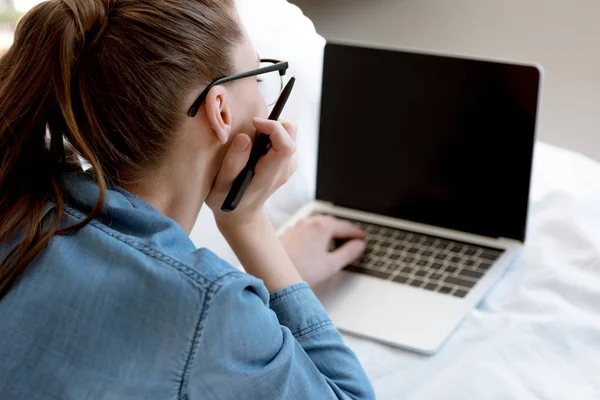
107,80
38,118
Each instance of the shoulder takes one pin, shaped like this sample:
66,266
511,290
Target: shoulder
152,274
104,297
158,253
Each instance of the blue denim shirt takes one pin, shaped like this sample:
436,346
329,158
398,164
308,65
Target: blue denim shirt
128,308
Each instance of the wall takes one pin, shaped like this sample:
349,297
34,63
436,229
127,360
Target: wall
563,36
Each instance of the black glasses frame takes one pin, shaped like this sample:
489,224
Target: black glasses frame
281,66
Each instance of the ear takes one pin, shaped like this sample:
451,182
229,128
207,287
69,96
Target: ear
218,113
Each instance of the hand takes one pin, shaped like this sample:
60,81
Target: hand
307,246
273,170
247,229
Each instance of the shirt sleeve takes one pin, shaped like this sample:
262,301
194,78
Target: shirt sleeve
280,346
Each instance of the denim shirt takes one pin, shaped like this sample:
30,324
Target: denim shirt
128,308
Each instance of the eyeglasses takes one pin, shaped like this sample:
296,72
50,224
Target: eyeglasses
270,82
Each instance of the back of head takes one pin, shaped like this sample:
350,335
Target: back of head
104,80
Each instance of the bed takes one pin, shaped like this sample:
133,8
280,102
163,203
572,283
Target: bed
537,334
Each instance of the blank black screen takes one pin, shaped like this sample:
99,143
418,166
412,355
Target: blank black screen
437,140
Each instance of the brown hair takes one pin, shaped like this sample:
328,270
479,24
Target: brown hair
104,80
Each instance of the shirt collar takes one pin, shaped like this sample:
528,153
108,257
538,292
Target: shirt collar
126,213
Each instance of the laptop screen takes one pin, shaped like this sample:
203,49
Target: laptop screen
437,140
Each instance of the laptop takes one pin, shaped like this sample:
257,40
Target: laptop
431,155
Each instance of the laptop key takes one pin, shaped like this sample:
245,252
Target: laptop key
416,282
435,276
422,263
400,279
459,282
445,290
470,274
490,255
421,273
377,274
470,251
401,235
413,239
460,293
484,265
440,245
367,271
430,286
407,270
391,268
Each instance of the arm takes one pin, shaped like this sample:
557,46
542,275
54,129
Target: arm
290,350
247,229
261,253
246,349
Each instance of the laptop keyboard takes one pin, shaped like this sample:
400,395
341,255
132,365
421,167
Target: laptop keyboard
422,261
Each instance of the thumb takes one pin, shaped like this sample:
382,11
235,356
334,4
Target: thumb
347,253
234,161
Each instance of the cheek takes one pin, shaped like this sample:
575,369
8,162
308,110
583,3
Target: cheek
251,104
254,101
262,110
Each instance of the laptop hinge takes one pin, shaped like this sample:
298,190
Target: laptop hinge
427,228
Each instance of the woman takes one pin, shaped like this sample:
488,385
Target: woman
104,295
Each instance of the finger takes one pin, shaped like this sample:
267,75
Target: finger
347,253
272,169
344,229
280,138
235,159
290,128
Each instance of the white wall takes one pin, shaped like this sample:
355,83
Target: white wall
563,36
25,5
6,31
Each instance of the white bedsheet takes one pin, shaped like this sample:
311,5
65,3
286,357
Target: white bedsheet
537,334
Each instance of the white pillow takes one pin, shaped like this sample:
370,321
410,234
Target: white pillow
279,30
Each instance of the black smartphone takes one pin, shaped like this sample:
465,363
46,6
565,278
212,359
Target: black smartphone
261,146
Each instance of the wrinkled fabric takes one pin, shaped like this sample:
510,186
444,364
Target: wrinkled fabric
128,308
